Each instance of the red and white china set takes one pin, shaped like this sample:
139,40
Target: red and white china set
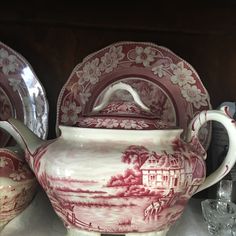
22,97
131,145
17,185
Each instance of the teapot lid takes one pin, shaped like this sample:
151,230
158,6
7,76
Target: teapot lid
134,115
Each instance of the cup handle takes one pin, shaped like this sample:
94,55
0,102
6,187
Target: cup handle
114,88
222,116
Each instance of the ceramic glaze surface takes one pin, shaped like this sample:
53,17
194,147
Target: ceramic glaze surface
21,94
120,168
166,83
134,187
17,185
138,180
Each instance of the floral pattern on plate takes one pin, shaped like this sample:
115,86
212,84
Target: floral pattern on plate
21,94
165,82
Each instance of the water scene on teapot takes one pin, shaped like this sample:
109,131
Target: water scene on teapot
147,190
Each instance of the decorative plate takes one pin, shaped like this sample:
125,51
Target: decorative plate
167,84
21,94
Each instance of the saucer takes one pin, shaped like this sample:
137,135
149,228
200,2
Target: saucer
21,94
167,84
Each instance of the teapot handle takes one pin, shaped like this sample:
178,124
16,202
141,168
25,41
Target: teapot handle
113,89
226,120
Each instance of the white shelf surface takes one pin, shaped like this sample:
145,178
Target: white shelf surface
39,219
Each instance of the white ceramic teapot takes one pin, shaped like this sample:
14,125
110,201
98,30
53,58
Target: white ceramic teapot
122,174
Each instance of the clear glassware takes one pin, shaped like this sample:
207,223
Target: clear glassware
220,216
224,190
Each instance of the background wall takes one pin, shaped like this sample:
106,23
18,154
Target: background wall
54,37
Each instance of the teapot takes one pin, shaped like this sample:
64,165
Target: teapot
18,184
125,172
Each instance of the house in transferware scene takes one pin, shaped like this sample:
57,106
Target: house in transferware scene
166,171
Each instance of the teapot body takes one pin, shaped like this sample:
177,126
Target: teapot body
139,181
17,185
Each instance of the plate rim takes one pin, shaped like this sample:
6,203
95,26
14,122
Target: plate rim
39,84
139,43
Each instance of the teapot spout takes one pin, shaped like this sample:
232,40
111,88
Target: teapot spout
25,138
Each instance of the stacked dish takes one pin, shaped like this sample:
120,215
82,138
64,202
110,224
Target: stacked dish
167,84
23,97
132,139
